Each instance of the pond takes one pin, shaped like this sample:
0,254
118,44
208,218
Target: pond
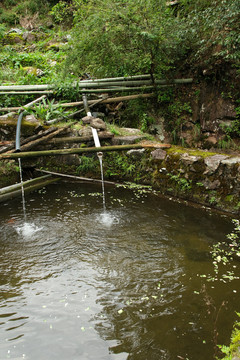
127,283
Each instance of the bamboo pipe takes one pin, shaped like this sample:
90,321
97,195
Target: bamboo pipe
26,92
145,76
25,184
96,83
31,154
17,193
104,101
76,177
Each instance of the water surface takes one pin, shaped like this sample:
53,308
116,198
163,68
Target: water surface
78,282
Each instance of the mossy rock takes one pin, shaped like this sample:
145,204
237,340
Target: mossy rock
8,126
13,38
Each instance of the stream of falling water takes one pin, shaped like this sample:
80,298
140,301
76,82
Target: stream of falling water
23,196
100,156
102,177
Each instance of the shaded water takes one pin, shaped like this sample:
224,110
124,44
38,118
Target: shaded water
78,282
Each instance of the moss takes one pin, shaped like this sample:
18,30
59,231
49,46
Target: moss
9,173
229,198
193,152
13,38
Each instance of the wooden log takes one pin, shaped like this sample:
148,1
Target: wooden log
32,154
28,189
25,184
45,138
11,146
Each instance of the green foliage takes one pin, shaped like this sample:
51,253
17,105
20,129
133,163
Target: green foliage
145,122
62,12
88,164
119,37
46,110
213,28
2,31
232,350
224,253
182,183
178,113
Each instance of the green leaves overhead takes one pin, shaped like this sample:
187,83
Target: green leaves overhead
119,37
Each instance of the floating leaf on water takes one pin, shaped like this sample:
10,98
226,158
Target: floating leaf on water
154,296
88,308
120,311
83,328
196,292
51,326
44,306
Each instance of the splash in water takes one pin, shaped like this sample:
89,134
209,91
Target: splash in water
107,219
103,190
27,229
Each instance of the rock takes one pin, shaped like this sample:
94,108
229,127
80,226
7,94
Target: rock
131,131
98,123
87,119
86,131
210,141
33,71
212,163
189,159
31,119
158,154
126,140
29,37
13,38
214,110
211,185
136,153
15,30
231,161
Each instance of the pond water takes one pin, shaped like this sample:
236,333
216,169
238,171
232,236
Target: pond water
80,283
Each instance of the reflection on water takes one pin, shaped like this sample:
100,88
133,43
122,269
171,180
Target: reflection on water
78,282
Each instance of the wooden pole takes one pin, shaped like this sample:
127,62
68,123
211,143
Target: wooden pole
32,154
31,138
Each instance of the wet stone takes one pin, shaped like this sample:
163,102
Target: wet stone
126,140
231,161
189,159
213,162
136,153
98,123
158,154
